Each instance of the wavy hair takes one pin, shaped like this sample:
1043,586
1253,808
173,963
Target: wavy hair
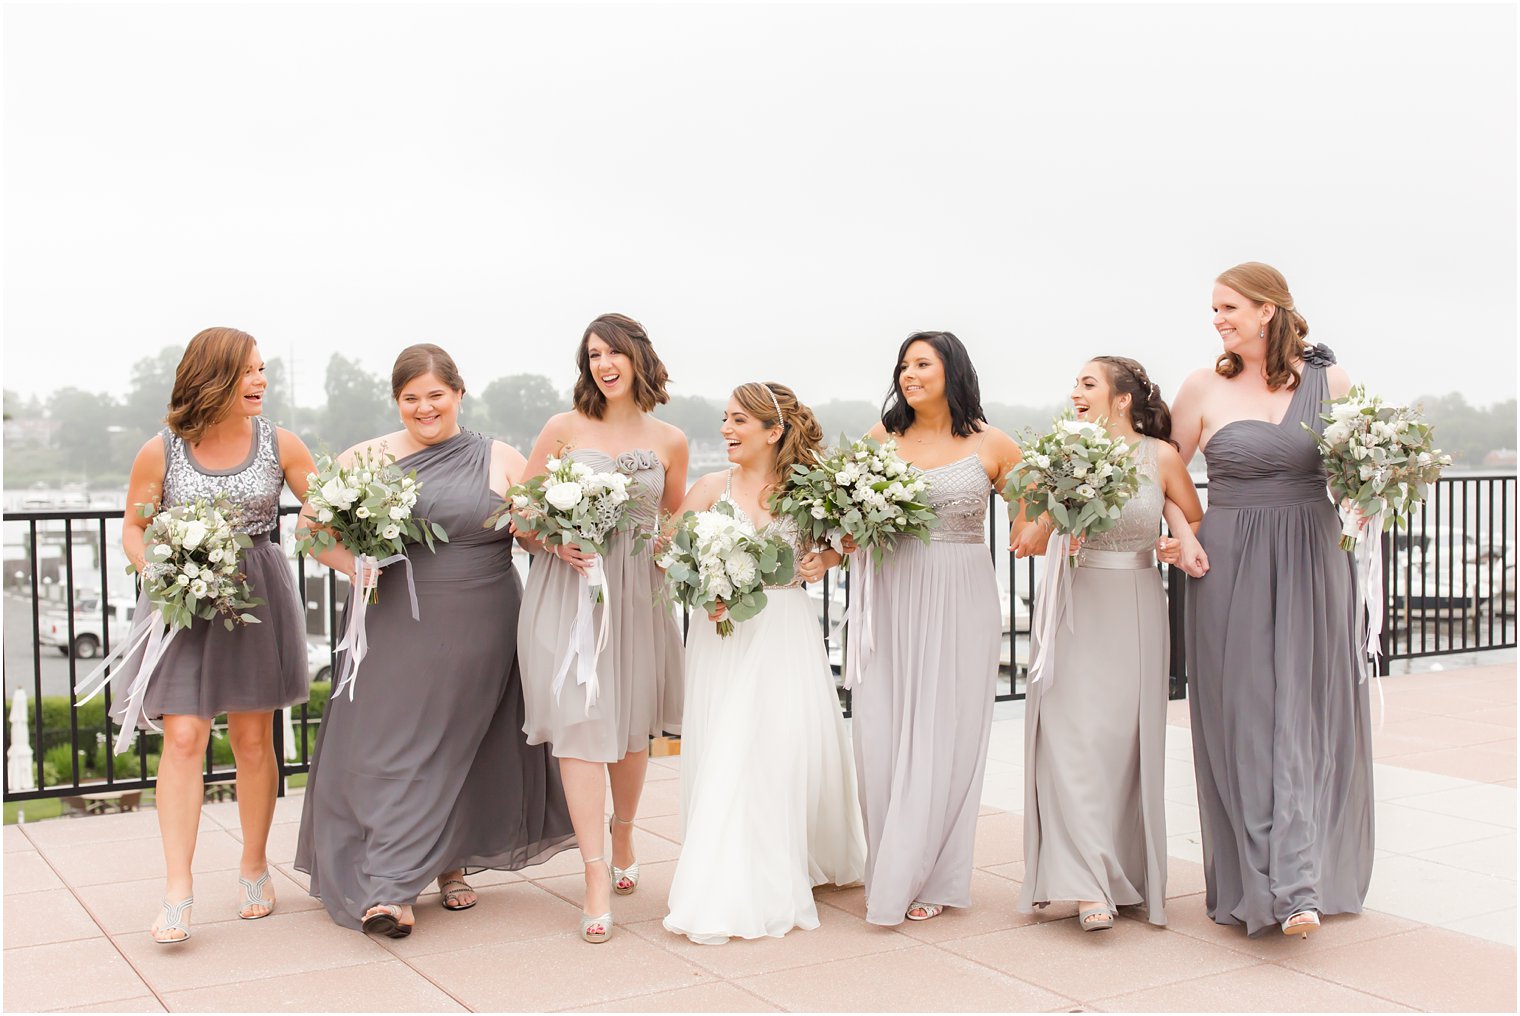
1148,411
1286,331
963,391
207,381
801,433
626,336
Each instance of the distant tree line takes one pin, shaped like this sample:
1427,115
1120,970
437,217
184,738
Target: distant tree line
77,436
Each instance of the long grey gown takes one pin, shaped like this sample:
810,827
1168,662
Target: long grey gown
1280,716
638,671
1095,737
426,769
923,710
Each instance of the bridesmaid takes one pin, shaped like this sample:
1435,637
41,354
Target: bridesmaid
424,772
1281,741
639,669
218,443
1094,811
923,705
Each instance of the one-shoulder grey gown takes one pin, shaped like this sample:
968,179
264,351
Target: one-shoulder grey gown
427,770
1280,716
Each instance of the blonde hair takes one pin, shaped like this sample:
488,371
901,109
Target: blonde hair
207,381
1286,331
801,434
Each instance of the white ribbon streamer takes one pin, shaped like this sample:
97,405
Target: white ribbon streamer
1052,605
355,638
1369,569
155,638
586,643
858,621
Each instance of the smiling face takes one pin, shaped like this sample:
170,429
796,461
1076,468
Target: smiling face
1239,320
251,389
749,441
429,409
612,371
921,375
1093,394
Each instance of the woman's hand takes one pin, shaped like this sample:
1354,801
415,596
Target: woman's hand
811,567
1184,552
718,613
848,543
573,556
1032,539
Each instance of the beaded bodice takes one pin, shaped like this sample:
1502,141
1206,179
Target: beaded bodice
254,486
1140,519
641,465
784,528
958,494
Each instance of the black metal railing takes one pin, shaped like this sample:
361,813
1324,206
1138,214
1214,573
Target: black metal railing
1448,587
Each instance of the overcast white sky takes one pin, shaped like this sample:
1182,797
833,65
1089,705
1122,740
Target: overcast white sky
779,192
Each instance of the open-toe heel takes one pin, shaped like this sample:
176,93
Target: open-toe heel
596,929
624,880
1301,923
174,920
253,896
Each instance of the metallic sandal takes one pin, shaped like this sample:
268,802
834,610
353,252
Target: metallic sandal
1102,919
1301,923
629,874
929,909
603,924
253,896
174,920
387,922
449,897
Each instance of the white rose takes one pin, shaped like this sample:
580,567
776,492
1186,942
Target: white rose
336,494
398,512
324,515
564,495
1076,426
1086,492
198,588
1043,461
215,556
192,569
618,496
552,465
362,512
195,532
1345,412
819,512
390,532
520,501
580,470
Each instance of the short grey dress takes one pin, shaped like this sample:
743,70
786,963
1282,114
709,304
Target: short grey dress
208,670
923,707
1095,737
639,669
425,770
1280,717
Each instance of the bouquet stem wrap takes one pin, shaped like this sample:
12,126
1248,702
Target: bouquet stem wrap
586,643
355,639
1051,607
858,621
154,639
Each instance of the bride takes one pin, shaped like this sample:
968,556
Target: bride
768,778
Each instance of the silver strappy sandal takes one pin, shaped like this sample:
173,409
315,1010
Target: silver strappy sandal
174,920
253,896
629,874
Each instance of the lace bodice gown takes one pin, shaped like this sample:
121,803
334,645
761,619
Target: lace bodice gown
767,779
923,708
1280,719
639,669
1095,734
208,670
426,769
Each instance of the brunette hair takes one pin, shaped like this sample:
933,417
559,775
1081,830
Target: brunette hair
626,336
1148,411
1286,331
424,358
801,434
207,381
962,390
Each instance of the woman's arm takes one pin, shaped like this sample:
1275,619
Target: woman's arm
295,461
1183,512
678,457
144,487
1187,414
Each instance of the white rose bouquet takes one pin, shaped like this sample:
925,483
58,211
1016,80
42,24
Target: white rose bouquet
860,489
1381,461
571,504
1078,472
191,570
715,559
368,507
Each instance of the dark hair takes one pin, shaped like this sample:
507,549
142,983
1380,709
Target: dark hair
424,358
207,381
626,336
801,434
962,390
1148,411
1286,331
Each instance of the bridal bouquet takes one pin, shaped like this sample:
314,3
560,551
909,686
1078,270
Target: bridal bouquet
570,504
862,490
1078,472
1381,460
191,571
367,506
716,559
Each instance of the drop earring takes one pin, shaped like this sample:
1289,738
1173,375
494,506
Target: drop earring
1262,334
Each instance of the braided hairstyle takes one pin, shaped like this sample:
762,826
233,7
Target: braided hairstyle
1286,331
801,434
1148,411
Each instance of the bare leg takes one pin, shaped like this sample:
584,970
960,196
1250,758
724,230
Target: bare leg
252,737
180,789
586,794
627,787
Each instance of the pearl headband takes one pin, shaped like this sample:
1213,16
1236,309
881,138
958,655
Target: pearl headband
774,402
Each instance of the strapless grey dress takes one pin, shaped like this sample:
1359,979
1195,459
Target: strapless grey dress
923,710
638,671
1281,735
426,770
1095,737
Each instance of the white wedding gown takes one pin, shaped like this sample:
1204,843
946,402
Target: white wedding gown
768,794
